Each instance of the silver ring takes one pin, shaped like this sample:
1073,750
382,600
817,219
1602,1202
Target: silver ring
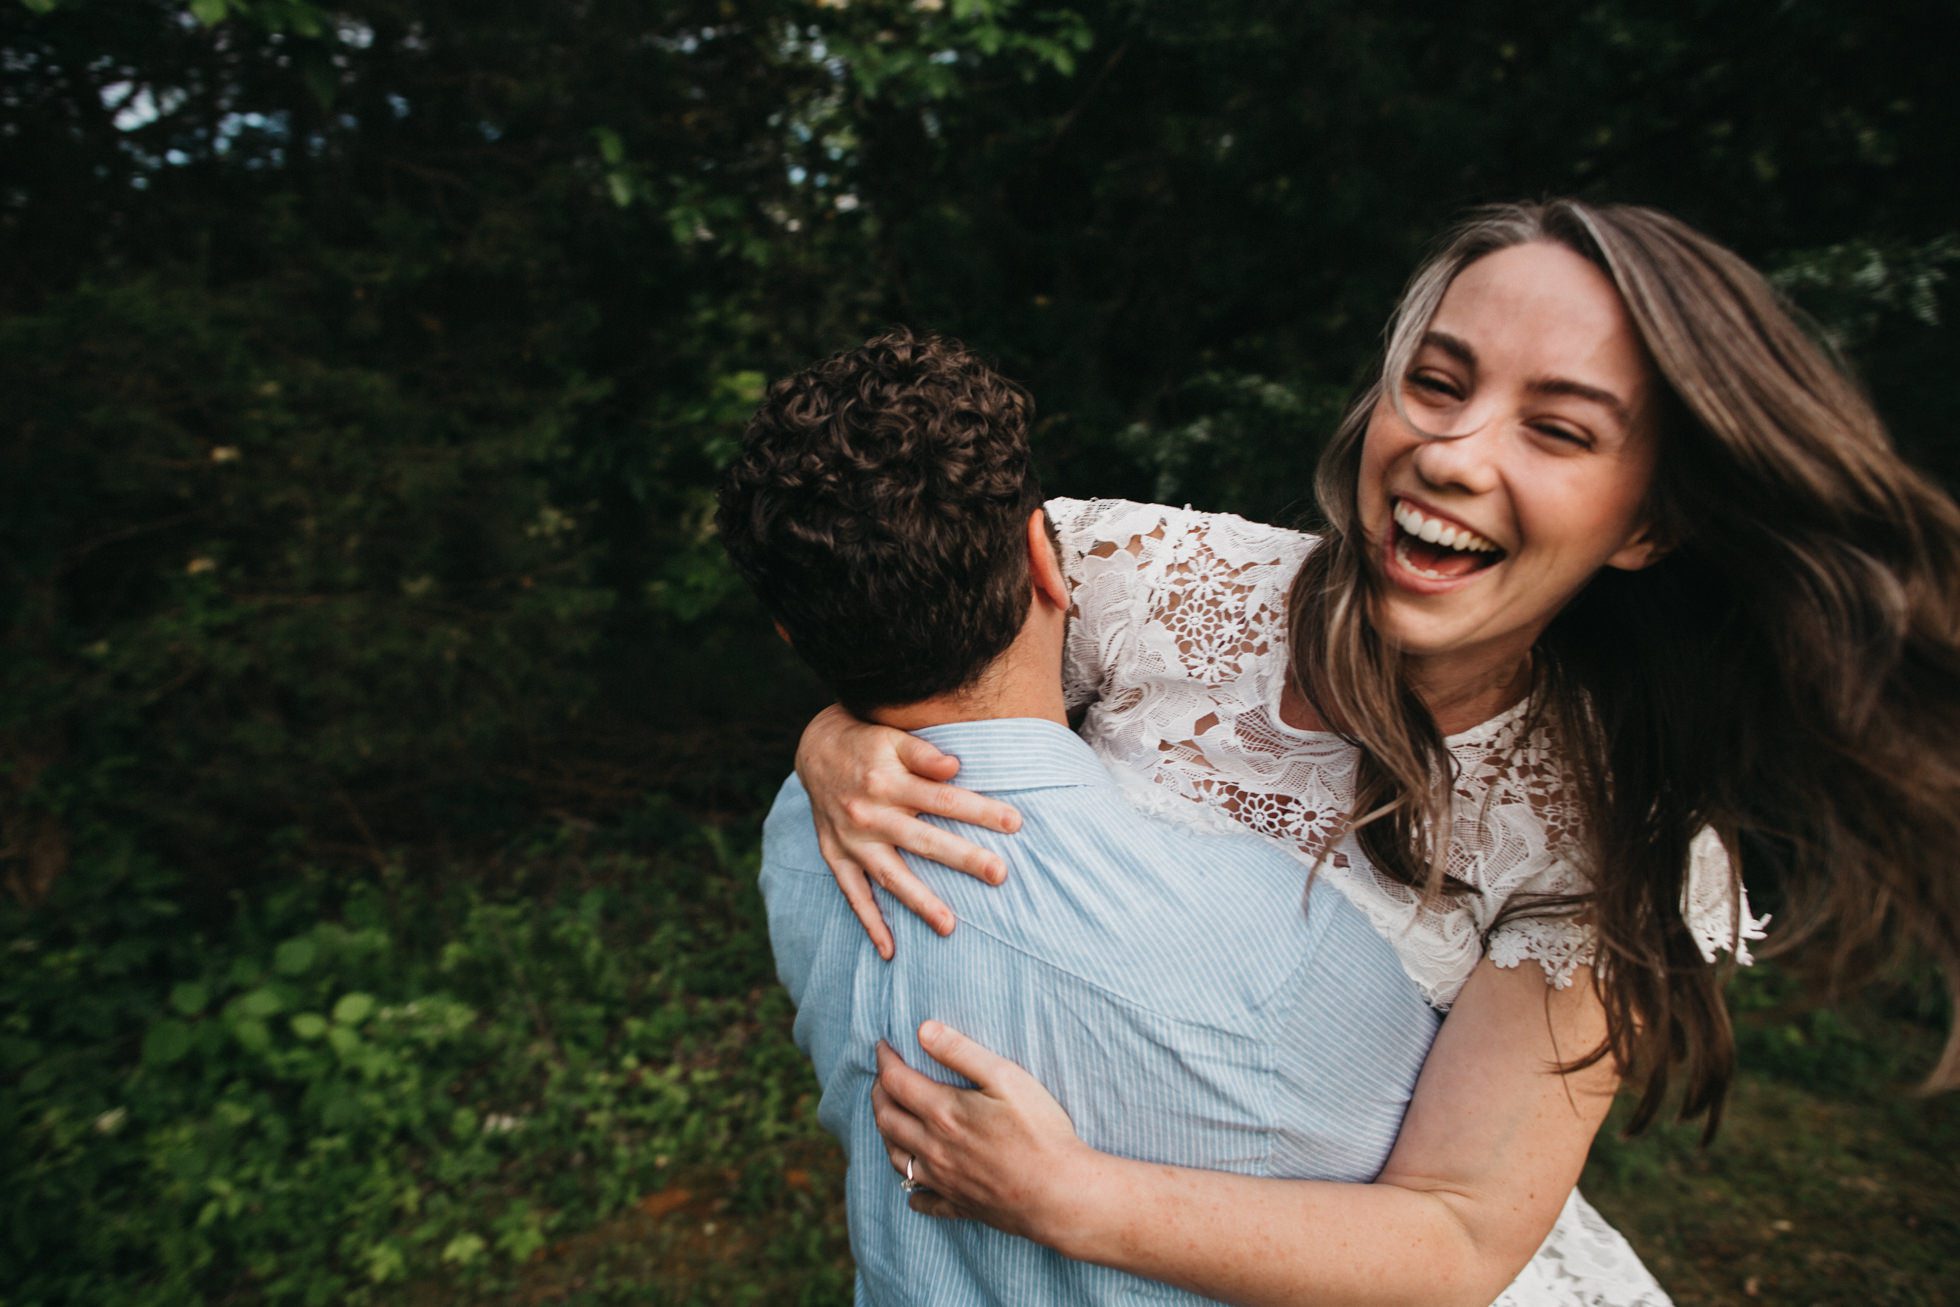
908,1184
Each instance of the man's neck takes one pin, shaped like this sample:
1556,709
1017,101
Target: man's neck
1019,683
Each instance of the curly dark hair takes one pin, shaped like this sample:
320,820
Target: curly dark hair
878,509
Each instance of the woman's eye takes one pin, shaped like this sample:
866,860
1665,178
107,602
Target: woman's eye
1565,435
1431,384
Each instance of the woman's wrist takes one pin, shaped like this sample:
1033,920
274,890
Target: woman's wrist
1076,1217
817,735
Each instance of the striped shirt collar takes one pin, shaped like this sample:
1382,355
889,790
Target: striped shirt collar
1017,753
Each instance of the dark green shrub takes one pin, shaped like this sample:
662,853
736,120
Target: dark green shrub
354,1084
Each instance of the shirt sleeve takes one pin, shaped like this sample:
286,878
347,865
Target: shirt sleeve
812,932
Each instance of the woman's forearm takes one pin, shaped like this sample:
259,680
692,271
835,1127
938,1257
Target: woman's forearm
1252,1240
1493,1141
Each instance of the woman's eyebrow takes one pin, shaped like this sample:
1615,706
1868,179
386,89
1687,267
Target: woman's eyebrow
1453,346
1606,399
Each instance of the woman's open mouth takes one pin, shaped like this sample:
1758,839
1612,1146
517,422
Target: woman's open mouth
1436,549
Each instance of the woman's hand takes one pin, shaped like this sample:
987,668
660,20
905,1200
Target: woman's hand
867,785
1004,1153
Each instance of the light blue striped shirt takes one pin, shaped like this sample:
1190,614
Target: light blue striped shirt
1187,997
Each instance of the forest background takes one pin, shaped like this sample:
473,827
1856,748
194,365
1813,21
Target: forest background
382,734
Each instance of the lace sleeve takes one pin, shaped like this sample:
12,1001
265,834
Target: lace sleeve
1713,903
1109,587
1558,942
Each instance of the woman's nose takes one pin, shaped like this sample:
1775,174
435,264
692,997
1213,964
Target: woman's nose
1461,458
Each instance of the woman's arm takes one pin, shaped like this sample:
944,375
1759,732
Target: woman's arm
1492,1145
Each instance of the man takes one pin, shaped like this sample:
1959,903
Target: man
1188,998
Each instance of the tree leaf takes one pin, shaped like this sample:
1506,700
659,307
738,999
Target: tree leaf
167,1042
295,956
189,997
464,1248
261,1003
352,1009
252,1034
321,78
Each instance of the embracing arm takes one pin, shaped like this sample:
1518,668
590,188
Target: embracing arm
1492,1144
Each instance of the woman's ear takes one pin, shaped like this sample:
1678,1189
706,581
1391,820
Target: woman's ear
1646,546
1044,567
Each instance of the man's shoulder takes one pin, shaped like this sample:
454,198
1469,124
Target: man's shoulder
789,833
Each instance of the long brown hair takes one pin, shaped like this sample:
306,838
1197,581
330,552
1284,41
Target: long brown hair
1789,674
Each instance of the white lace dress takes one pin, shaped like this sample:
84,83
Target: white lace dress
1178,646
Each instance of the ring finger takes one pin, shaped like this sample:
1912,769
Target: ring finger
905,1135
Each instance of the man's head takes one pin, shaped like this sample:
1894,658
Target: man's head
880,510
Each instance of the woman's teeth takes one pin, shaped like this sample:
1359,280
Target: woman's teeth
1446,534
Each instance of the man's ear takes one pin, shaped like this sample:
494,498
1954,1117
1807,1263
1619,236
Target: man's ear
1044,568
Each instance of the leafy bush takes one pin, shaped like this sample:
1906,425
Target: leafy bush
289,587
355,1084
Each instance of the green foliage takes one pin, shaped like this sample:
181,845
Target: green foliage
280,582
376,362
353,1086
916,53
369,367
1853,286
343,508
1238,429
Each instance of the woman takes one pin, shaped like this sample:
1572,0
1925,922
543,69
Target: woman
1622,584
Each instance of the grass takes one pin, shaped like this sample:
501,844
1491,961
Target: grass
1831,1181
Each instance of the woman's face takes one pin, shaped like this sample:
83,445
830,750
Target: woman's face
1533,374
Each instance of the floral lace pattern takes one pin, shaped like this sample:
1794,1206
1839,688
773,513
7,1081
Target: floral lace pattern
1177,650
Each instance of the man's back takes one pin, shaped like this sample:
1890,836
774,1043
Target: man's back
1185,997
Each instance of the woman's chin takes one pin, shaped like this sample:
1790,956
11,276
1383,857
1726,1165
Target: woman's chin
1413,626
1418,637
1419,632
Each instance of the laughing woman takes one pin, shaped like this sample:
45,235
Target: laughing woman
1622,591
